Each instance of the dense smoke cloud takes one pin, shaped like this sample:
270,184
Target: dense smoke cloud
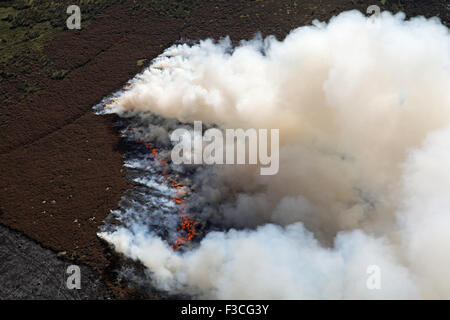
362,105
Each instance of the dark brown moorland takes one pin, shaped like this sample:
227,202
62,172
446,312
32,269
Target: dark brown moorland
61,165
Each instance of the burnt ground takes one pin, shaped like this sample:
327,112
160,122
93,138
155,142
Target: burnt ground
60,165
28,271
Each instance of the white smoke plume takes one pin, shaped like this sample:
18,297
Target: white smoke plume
363,108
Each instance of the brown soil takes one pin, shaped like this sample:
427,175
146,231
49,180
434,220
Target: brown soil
59,163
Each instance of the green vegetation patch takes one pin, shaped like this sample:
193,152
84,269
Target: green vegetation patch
26,26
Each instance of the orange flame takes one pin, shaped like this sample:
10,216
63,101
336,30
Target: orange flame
187,225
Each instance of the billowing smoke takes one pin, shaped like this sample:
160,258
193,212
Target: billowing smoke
363,110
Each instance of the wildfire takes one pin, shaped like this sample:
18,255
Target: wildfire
187,225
